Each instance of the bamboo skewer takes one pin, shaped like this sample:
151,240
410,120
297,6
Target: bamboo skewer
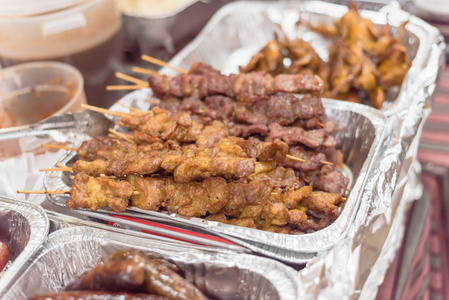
42,192
132,110
144,71
105,111
122,135
131,79
124,87
55,192
59,147
295,158
121,124
153,101
56,169
162,63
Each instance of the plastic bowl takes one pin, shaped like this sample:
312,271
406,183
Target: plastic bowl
32,92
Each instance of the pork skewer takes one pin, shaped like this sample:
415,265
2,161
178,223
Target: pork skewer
255,204
249,87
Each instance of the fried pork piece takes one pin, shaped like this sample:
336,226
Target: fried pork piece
157,123
280,177
105,148
96,295
292,135
312,159
189,199
92,193
215,107
328,179
250,87
252,147
200,68
279,108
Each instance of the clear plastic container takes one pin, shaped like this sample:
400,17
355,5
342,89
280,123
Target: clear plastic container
32,92
85,34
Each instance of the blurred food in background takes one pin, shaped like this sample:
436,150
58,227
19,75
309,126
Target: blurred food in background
364,60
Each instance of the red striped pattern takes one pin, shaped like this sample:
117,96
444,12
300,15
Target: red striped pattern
434,147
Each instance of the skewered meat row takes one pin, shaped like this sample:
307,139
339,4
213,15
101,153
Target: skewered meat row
280,108
158,124
168,156
129,275
250,87
256,203
230,157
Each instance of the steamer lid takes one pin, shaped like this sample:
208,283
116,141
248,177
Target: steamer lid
28,8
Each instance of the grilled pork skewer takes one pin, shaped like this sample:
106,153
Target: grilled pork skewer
257,202
249,87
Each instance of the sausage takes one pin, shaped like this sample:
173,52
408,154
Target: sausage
161,279
4,255
95,295
139,257
115,276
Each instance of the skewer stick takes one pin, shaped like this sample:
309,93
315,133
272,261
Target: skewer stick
153,101
326,163
131,79
121,124
122,135
124,87
294,158
56,169
42,192
144,71
58,147
321,124
162,63
105,111
132,110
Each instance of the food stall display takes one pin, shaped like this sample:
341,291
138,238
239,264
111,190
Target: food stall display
235,142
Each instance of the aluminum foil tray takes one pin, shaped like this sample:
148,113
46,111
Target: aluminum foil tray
230,39
359,138
23,228
220,274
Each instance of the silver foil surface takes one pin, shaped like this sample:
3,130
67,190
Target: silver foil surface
360,137
219,274
23,228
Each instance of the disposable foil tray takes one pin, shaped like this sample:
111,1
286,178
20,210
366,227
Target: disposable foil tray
219,274
240,29
23,228
360,136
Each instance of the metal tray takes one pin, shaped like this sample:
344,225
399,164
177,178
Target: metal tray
220,274
359,138
23,228
230,39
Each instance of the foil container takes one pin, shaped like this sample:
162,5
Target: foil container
23,228
359,138
229,39
219,274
